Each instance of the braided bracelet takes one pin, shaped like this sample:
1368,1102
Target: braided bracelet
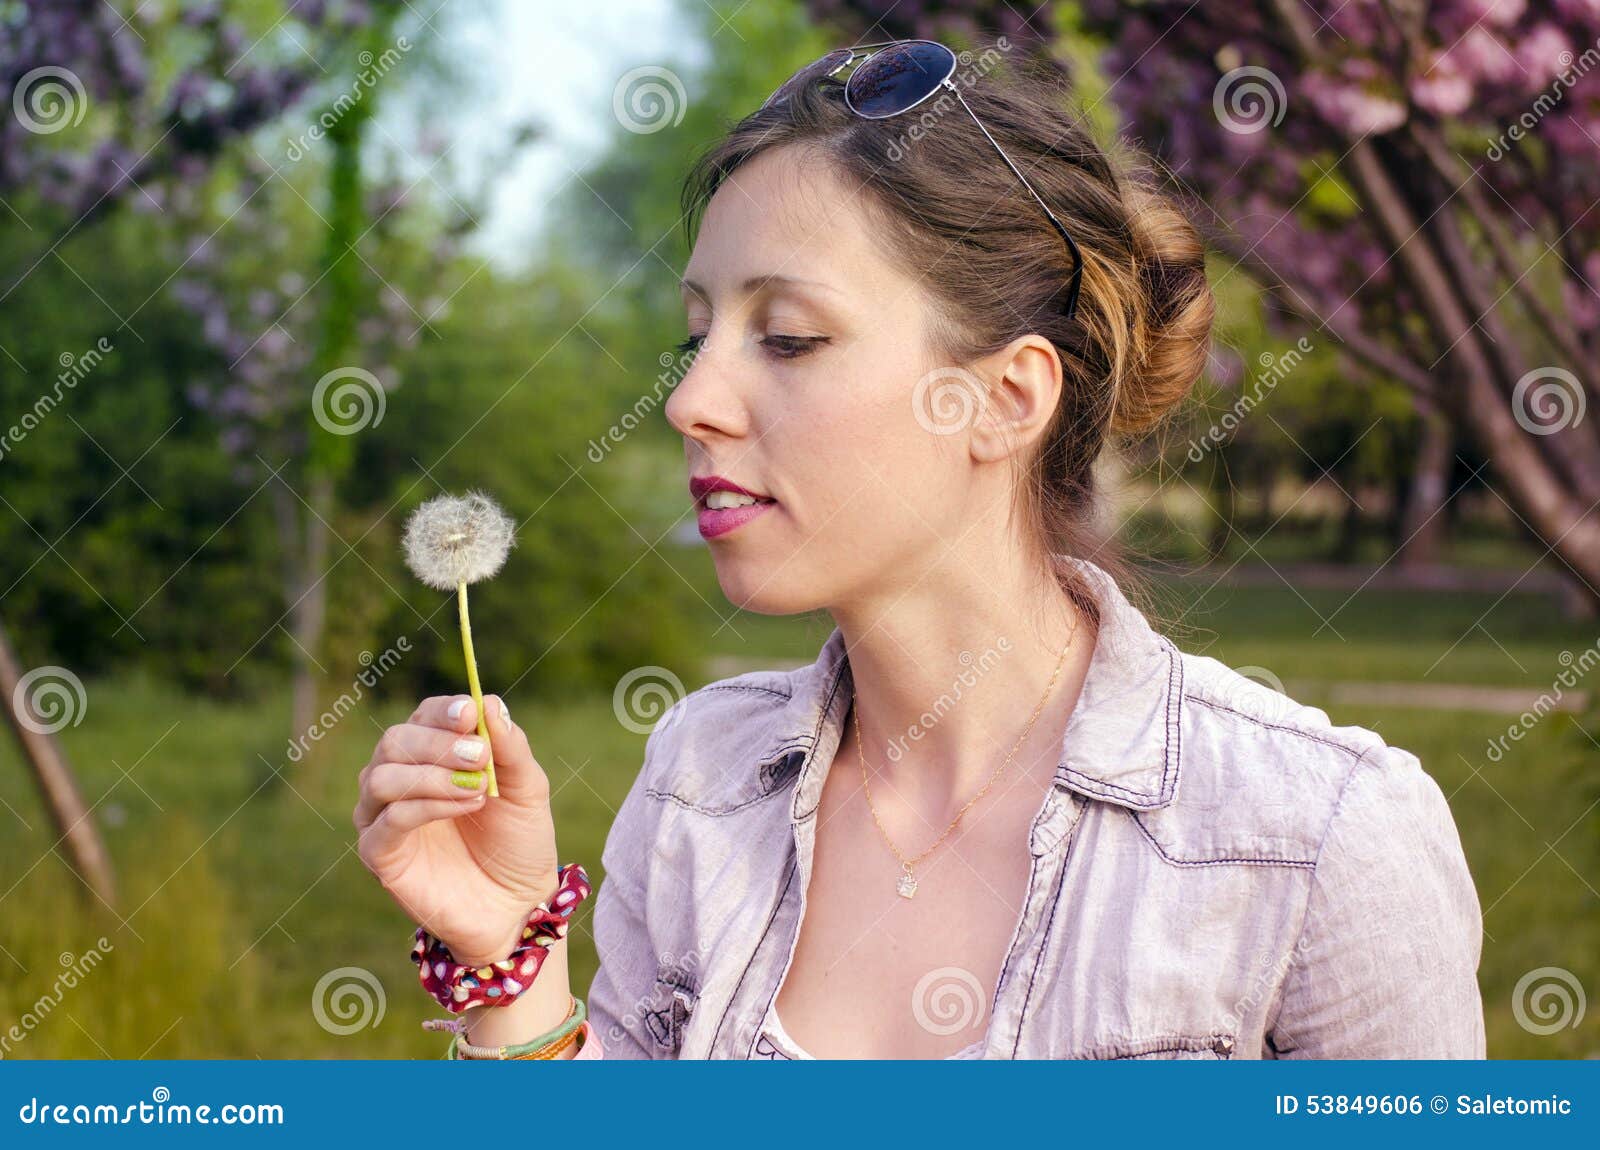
458,987
546,1046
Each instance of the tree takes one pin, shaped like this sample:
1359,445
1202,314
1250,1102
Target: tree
1415,180
87,130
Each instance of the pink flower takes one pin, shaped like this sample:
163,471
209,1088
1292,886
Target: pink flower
1502,13
1582,11
1482,55
1543,54
1359,108
1443,89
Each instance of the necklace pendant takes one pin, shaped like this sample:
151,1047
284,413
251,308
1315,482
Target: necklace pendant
907,886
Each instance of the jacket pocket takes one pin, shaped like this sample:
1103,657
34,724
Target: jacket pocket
671,1005
1216,1045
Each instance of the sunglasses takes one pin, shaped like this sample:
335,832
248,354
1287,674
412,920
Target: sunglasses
898,75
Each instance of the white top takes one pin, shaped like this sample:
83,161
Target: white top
774,1042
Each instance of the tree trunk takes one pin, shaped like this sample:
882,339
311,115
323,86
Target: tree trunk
1422,520
73,821
310,608
1535,486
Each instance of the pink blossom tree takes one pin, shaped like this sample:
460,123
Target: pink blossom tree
1415,181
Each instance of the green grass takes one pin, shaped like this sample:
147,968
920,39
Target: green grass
239,890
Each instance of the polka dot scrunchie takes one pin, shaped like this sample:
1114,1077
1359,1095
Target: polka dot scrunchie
458,987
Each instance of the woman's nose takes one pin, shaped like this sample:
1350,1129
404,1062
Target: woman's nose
706,402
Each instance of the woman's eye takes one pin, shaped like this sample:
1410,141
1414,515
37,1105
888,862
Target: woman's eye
790,346
690,345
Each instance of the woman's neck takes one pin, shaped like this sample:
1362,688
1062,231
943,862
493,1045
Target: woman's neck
949,666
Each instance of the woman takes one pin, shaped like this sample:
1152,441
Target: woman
1000,816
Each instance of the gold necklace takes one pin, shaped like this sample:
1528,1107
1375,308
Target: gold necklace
907,886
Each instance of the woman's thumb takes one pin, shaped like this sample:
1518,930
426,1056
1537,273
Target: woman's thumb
515,766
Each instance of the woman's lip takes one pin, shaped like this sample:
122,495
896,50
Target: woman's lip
713,523
702,485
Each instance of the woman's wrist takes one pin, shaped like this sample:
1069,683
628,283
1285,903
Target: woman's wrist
513,932
538,1009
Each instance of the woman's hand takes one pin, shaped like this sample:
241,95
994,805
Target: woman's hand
467,868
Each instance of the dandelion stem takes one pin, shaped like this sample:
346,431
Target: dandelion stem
472,681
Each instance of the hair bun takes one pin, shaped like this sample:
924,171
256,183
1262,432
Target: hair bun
1172,319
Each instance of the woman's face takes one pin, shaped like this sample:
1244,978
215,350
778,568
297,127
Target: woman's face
805,391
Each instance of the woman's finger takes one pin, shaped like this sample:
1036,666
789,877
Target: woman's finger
447,712
385,831
413,743
514,763
395,782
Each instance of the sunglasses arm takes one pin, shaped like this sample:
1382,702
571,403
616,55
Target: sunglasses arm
1077,256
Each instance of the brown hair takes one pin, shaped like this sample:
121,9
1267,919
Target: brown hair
948,206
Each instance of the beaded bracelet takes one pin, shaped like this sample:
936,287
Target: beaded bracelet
458,987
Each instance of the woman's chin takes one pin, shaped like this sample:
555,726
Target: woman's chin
762,589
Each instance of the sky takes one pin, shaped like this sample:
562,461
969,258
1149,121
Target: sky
557,64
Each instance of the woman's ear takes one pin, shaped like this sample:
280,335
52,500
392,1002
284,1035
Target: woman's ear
1027,388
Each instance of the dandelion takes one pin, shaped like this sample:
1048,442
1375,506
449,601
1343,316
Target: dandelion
451,541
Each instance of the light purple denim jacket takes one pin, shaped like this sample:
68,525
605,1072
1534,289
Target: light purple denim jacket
1217,872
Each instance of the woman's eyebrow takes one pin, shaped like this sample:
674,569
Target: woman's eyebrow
758,283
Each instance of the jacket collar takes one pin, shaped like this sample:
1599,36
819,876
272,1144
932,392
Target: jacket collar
1121,744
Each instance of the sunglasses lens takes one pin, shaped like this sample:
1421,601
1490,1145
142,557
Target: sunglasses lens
817,68
898,78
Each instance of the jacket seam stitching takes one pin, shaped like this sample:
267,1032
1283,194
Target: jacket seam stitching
822,718
1090,784
1175,698
746,687
1044,946
1358,755
710,812
738,986
1236,861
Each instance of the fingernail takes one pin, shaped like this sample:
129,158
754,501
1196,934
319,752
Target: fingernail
469,750
505,712
468,780
457,708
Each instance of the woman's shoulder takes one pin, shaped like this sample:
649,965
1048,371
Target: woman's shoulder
1263,777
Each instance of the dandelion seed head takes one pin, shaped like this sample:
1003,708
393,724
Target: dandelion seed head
455,539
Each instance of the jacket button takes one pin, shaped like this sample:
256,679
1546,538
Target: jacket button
1223,1044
